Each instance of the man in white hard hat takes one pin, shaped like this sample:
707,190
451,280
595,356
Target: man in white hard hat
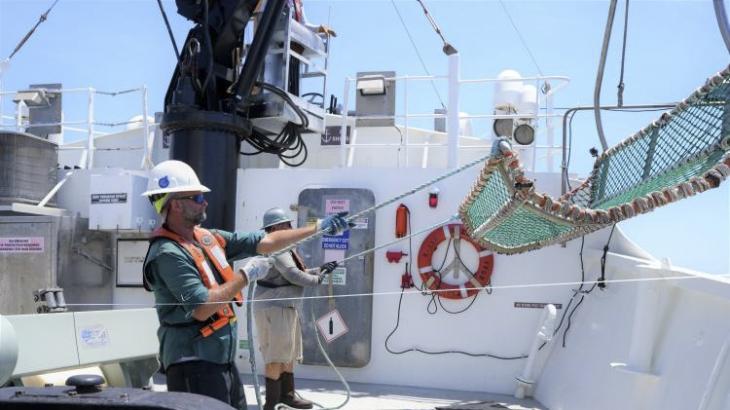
277,310
187,267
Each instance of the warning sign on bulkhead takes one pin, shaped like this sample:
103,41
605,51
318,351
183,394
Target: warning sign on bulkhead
331,325
114,198
22,245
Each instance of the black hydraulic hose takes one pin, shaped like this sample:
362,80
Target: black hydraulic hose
257,52
281,93
169,30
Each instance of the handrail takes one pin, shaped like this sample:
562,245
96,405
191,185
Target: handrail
564,163
599,75
347,149
90,122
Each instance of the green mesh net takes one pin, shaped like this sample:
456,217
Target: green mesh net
684,152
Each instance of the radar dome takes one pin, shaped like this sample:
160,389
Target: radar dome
528,100
508,90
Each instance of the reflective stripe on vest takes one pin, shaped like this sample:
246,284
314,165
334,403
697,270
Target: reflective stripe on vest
212,245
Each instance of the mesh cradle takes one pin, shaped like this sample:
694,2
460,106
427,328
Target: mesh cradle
684,152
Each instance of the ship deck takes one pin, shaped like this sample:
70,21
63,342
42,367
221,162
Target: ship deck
366,396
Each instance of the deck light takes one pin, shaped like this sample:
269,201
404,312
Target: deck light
31,98
524,134
371,85
503,127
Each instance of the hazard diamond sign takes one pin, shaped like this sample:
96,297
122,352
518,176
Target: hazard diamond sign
331,326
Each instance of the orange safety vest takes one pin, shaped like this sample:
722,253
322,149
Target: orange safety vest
212,244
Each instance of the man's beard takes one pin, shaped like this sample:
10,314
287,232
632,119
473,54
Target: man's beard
195,218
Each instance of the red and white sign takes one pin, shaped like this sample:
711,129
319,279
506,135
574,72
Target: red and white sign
332,206
22,245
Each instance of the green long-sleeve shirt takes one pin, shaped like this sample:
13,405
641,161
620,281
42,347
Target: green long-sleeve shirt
178,289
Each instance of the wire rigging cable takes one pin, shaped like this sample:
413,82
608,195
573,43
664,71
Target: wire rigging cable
522,39
621,84
448,49
41,19
418,53
392,200
667,279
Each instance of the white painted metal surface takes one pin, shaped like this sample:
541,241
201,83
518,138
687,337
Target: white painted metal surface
543,339
8,350
492,325
57,341
116,201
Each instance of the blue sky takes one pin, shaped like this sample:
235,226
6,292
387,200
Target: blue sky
672,47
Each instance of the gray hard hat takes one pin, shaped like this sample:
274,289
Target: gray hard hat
274,216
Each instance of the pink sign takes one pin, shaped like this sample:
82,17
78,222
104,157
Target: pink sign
22,245
332,206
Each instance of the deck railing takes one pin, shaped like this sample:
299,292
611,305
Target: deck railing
550,85
88,126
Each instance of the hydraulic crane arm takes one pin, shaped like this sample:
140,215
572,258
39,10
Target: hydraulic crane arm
209,75
207,101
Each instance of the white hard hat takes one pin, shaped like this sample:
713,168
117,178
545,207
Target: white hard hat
173,176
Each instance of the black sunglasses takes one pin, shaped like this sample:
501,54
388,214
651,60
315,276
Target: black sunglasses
197,198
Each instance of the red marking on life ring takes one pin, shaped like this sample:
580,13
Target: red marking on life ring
432,280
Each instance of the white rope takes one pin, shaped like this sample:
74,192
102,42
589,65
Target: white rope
419,292
388,202
385,245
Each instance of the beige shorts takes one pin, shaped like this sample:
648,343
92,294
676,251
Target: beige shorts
279,335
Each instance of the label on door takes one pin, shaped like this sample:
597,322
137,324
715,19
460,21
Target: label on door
331,326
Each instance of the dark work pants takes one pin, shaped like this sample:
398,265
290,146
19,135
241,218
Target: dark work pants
220,381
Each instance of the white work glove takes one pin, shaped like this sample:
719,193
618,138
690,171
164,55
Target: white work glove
256,268
334,224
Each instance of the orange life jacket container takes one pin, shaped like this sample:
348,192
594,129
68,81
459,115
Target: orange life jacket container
213,245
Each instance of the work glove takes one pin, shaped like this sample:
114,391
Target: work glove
334,224
322,29
328,267
256,268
